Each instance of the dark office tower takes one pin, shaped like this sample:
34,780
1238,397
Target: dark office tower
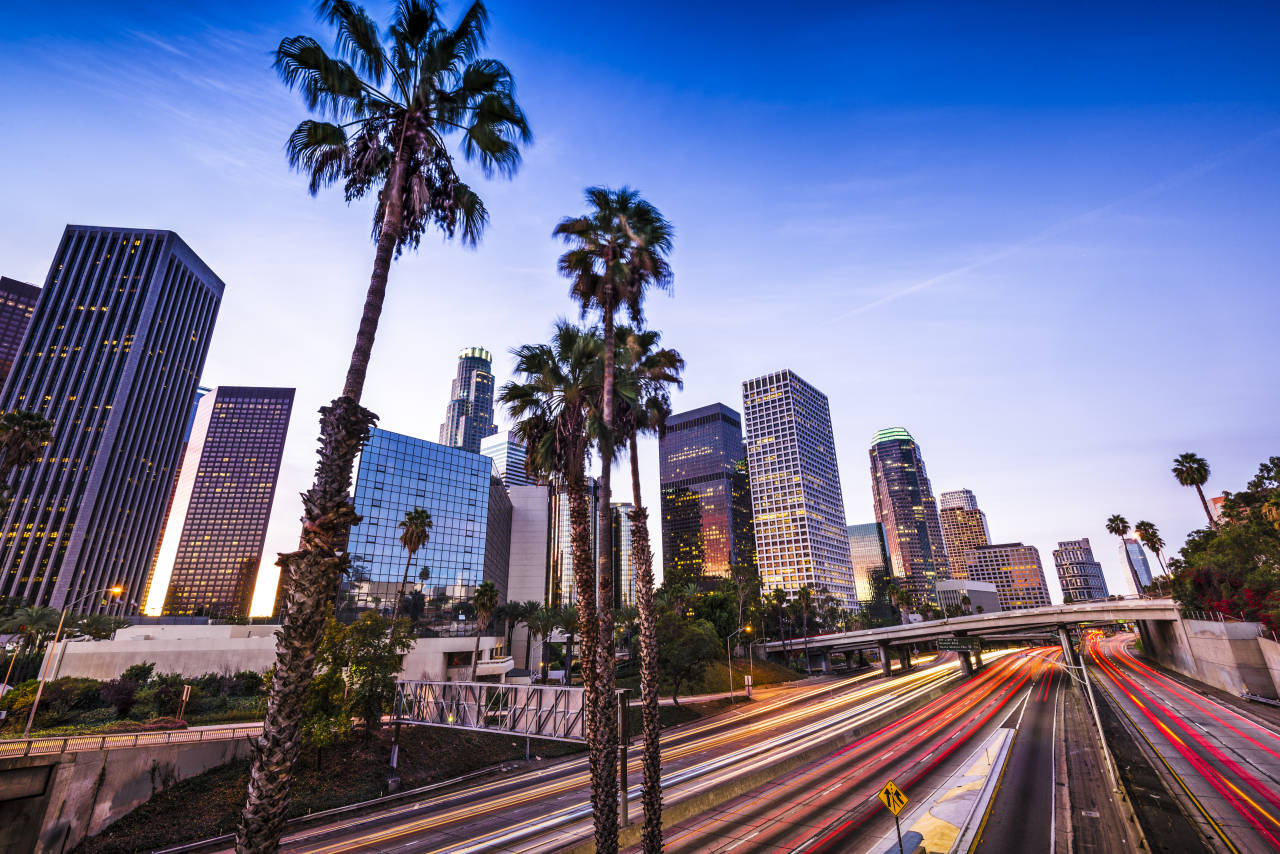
706,496
469,417
1078,573
212,545
112,358
964,527
624,576
906,507
17,302
801,538
866,549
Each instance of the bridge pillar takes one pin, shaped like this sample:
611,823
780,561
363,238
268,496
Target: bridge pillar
862,658
1064,637
904,657
977,659
885,663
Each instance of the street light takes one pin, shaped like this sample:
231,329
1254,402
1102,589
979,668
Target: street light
116,591
729,654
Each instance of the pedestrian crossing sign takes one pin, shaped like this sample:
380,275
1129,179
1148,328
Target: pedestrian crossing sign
893,797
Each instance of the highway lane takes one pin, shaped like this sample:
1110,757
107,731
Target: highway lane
538,803
829,804
1022,812
1225,763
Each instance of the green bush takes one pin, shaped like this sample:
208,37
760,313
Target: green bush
163,695
122,694
140,673
62,702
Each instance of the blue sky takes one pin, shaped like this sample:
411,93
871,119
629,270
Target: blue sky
1042,239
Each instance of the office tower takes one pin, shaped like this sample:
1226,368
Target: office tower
1016,572
17,303
470,537
624,576
530,543
706,496
964,527
508,457
469,417
561,586
1136,559
1078,573
983,597
211,547
801,537
112,358
867,551
906,507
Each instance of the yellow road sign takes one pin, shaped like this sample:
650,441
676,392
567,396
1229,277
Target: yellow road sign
894,798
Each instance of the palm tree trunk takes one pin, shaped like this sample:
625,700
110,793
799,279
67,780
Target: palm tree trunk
584,571
605,777
528,647
651,756
475,655
804,617
1213,523
312,573
395,609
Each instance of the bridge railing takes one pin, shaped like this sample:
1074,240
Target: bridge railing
49,746
539,711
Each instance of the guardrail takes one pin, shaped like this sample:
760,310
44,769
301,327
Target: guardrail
54,745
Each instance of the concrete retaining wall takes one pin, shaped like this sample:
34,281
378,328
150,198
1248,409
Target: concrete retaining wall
1271,655
51,803
1225,655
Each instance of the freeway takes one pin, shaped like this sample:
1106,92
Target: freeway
1225,764
831,804
547,808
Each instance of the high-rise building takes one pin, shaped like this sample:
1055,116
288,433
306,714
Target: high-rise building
800,533
867,551
469,417
1078,573
906,507
112,358
964,527
561,585
1014,569
17,303
706,496
1136,559
624,577
211,546
508,457
470,538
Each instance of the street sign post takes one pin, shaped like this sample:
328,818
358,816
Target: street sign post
895,800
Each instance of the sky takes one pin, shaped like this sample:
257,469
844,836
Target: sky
1041,237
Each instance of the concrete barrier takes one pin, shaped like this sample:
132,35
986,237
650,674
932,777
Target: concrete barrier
1225,655
1271,655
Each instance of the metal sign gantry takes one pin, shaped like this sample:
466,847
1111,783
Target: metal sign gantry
536,711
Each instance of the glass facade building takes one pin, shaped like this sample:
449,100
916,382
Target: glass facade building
800,533
1136,559
964,527
212,543
112,358
17,304
905,506
1015,570
470,538
561,585
469,416
508,457
624,576
706,496
867,551
1078,573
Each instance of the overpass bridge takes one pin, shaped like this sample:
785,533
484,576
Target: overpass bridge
1001,625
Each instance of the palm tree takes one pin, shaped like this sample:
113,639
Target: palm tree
386,107
966,602
22,435
569,622
778,598
1119,526
1193,470
616,251
510,613
415,532
1150,536
533,611
804,602
538,624
485,601
33,625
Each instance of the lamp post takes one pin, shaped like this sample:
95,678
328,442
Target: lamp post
116,591
728,649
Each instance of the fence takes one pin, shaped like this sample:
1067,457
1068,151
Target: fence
76,743
538,711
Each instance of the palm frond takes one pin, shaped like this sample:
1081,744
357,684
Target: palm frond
327,84
357,38
320,150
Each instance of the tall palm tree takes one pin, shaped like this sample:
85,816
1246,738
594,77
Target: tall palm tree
778,598
34,625
533,611
1150,536
22,435
511,613
1118,525
539,624
804,603
646,373
415,532
1193,470
569,621
386,107
617,250
485,601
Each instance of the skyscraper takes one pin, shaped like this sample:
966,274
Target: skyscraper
1136,558
624,578
469,417
561,585
211,547
867,551
800,531
706,496
508,457
906,507
112,358
1014,569
964,527
1078,573
17,303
